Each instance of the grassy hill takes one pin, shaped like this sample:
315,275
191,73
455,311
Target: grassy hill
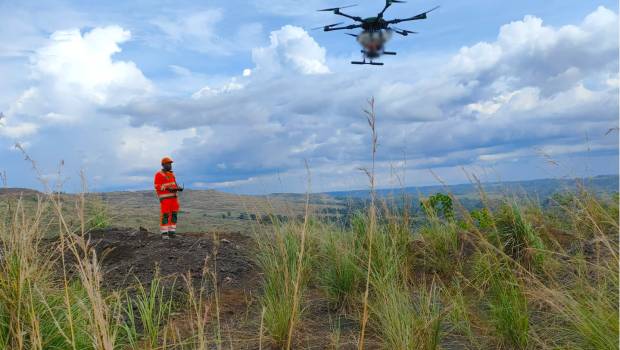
210,210
510,276
201,210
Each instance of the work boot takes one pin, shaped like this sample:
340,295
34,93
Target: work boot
164,236
172,234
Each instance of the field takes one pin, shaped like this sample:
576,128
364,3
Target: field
86,272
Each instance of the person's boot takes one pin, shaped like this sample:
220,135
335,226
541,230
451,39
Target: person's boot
164,235
172,234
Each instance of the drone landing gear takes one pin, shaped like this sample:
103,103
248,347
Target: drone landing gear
364,62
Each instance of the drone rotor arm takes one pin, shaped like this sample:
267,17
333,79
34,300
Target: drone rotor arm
389,3
354,18
414,18
351,26
327,26
336,11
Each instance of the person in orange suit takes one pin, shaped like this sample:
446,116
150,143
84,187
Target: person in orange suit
166,188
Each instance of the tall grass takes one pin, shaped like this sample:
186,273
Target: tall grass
338,271
505,300
154,305
440,244
285,275
371,117
50,292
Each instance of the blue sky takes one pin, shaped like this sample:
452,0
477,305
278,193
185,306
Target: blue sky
242,93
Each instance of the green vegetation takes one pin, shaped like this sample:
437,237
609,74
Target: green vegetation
285,275
512,276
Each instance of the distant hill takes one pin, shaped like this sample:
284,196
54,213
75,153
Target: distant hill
17,191
542,188
209,210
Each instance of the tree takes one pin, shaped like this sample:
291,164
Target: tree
440,205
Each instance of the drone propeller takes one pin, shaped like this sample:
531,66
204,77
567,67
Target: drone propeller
353,35
404,32
389,3
423,14
338,8
328,26
414,18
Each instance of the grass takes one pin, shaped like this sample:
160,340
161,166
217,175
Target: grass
153,305
515,282
441,247
339,274
508,312
511,280
285,271
511,275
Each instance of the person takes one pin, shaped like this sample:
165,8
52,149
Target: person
166,188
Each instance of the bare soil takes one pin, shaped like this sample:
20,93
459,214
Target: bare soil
129,255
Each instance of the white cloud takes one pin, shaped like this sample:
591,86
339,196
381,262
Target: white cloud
227,87
142,148
528,50
196,30
18,130
75,79
291,46
82,64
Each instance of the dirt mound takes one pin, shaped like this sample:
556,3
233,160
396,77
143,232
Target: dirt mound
127,254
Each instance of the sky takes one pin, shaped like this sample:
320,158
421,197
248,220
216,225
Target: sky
244,94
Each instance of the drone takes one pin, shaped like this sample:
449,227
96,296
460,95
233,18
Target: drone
376,31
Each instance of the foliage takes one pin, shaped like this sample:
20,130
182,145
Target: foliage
439,205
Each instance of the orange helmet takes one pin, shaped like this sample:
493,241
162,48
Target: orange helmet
166,159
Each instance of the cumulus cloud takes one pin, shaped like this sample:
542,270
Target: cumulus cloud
291,46
74,79
83,65
72,74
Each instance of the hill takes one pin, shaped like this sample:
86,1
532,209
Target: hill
541,188
210,210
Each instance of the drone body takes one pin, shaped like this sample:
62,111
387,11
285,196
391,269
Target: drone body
376,31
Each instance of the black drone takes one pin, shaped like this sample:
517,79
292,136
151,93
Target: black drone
376,31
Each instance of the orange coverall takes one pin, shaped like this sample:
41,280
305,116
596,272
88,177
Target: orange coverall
165,183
